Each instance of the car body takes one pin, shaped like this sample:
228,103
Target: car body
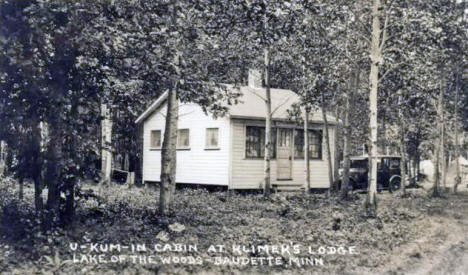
388,172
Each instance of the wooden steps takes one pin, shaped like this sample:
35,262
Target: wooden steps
287,187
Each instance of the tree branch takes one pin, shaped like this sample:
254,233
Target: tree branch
384,35
389,70
261,97
360,22
279,106
322,32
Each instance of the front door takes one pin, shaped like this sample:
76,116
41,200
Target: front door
284,154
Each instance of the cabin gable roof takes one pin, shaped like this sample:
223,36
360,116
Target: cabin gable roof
251,105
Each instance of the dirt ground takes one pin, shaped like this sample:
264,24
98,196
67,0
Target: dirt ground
442,247
411,235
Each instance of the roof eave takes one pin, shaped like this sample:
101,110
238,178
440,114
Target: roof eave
277,119
151,108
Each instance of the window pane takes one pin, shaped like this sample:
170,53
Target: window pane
155,141
299,143
255,142
212,137
274,133
252,140
261,142
315,139
183,138
394,163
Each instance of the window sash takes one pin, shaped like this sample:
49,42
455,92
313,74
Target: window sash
315,144
255,142
183,138
212,138
155,140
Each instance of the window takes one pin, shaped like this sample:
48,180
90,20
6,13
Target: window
155,141
315,144
359,163
393,163
284,137
183,139
212,138
255,142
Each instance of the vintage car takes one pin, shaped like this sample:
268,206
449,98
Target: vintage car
388,172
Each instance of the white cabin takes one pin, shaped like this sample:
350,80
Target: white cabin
228,151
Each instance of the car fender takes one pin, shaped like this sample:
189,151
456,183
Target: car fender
393,178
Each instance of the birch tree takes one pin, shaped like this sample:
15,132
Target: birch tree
457,144
377,44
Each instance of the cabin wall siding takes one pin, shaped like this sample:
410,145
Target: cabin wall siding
248,173
197,165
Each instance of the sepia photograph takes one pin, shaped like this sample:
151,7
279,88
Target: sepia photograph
234,137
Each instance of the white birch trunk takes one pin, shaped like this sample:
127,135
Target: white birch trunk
438,147
267,158
371,200
402,149
2,157
443,156
336,159
306,151
457,145
106,145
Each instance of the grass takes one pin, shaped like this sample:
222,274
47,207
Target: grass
200,218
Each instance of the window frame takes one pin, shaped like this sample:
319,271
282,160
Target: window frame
261,149
151,147
178,146
319,144
212,147
390,163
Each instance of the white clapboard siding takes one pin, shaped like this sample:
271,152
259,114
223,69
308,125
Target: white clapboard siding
248,173
197,165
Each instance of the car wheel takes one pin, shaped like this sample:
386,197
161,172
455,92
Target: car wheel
395,184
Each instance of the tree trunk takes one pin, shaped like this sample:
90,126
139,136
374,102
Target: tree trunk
169,145
266,176
21,188
418,165
3,158
384,148
306,150
438,147
327,146
37,171
443,157
417,157
336,152
403,166
457,145
168,152
54,173
346,149
70,182
38,203
354,83
371,199
69,201
410,165
106,133
403,163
